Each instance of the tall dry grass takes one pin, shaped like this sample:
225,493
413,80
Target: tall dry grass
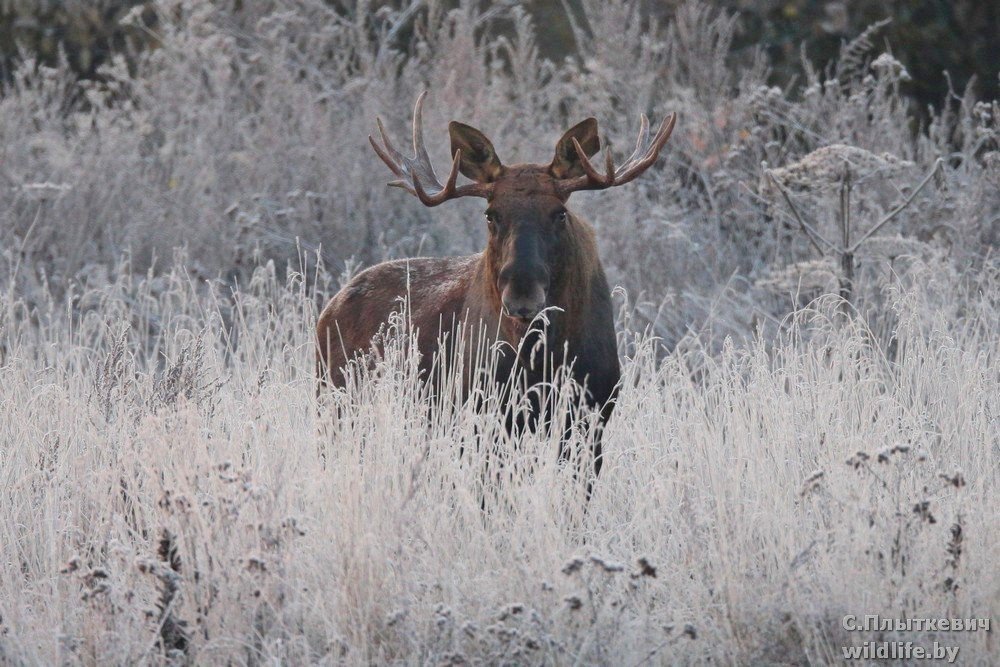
172,489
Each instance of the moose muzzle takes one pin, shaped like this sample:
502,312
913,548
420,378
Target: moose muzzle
523,289
523,306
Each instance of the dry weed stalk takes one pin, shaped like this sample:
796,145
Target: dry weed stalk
173,635
847,247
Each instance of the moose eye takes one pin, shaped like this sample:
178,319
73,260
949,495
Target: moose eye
491,219
561,217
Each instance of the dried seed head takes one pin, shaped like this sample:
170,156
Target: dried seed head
72,565
607,565
922,509
812,482
145,565
858,460
572,566
646,569
957,480
954,547
886,454
511,610
292,525
453,660
256,564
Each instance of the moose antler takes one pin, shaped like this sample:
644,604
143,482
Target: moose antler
416,171
642,157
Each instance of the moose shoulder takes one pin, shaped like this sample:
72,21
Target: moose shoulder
539,257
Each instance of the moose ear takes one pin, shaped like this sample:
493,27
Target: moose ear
566,163
479,159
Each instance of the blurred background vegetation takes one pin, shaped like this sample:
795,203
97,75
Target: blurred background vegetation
138,133
934,39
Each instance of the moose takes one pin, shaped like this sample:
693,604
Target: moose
539,257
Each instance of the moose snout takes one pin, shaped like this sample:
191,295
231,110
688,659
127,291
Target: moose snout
523,306
523,281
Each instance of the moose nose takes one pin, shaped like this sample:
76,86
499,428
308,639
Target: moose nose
524,309
523,312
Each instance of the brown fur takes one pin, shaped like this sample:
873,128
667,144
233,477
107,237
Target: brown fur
445,292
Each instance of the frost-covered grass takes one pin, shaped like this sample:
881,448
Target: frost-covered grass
749,499
171,487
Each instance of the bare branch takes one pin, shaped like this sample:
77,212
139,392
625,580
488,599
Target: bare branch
899,209
814,237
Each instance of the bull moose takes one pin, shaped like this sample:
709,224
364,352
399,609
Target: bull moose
539,257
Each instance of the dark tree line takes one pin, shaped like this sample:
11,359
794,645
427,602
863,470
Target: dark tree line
930,37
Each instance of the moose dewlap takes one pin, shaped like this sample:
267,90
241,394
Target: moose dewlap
539,257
